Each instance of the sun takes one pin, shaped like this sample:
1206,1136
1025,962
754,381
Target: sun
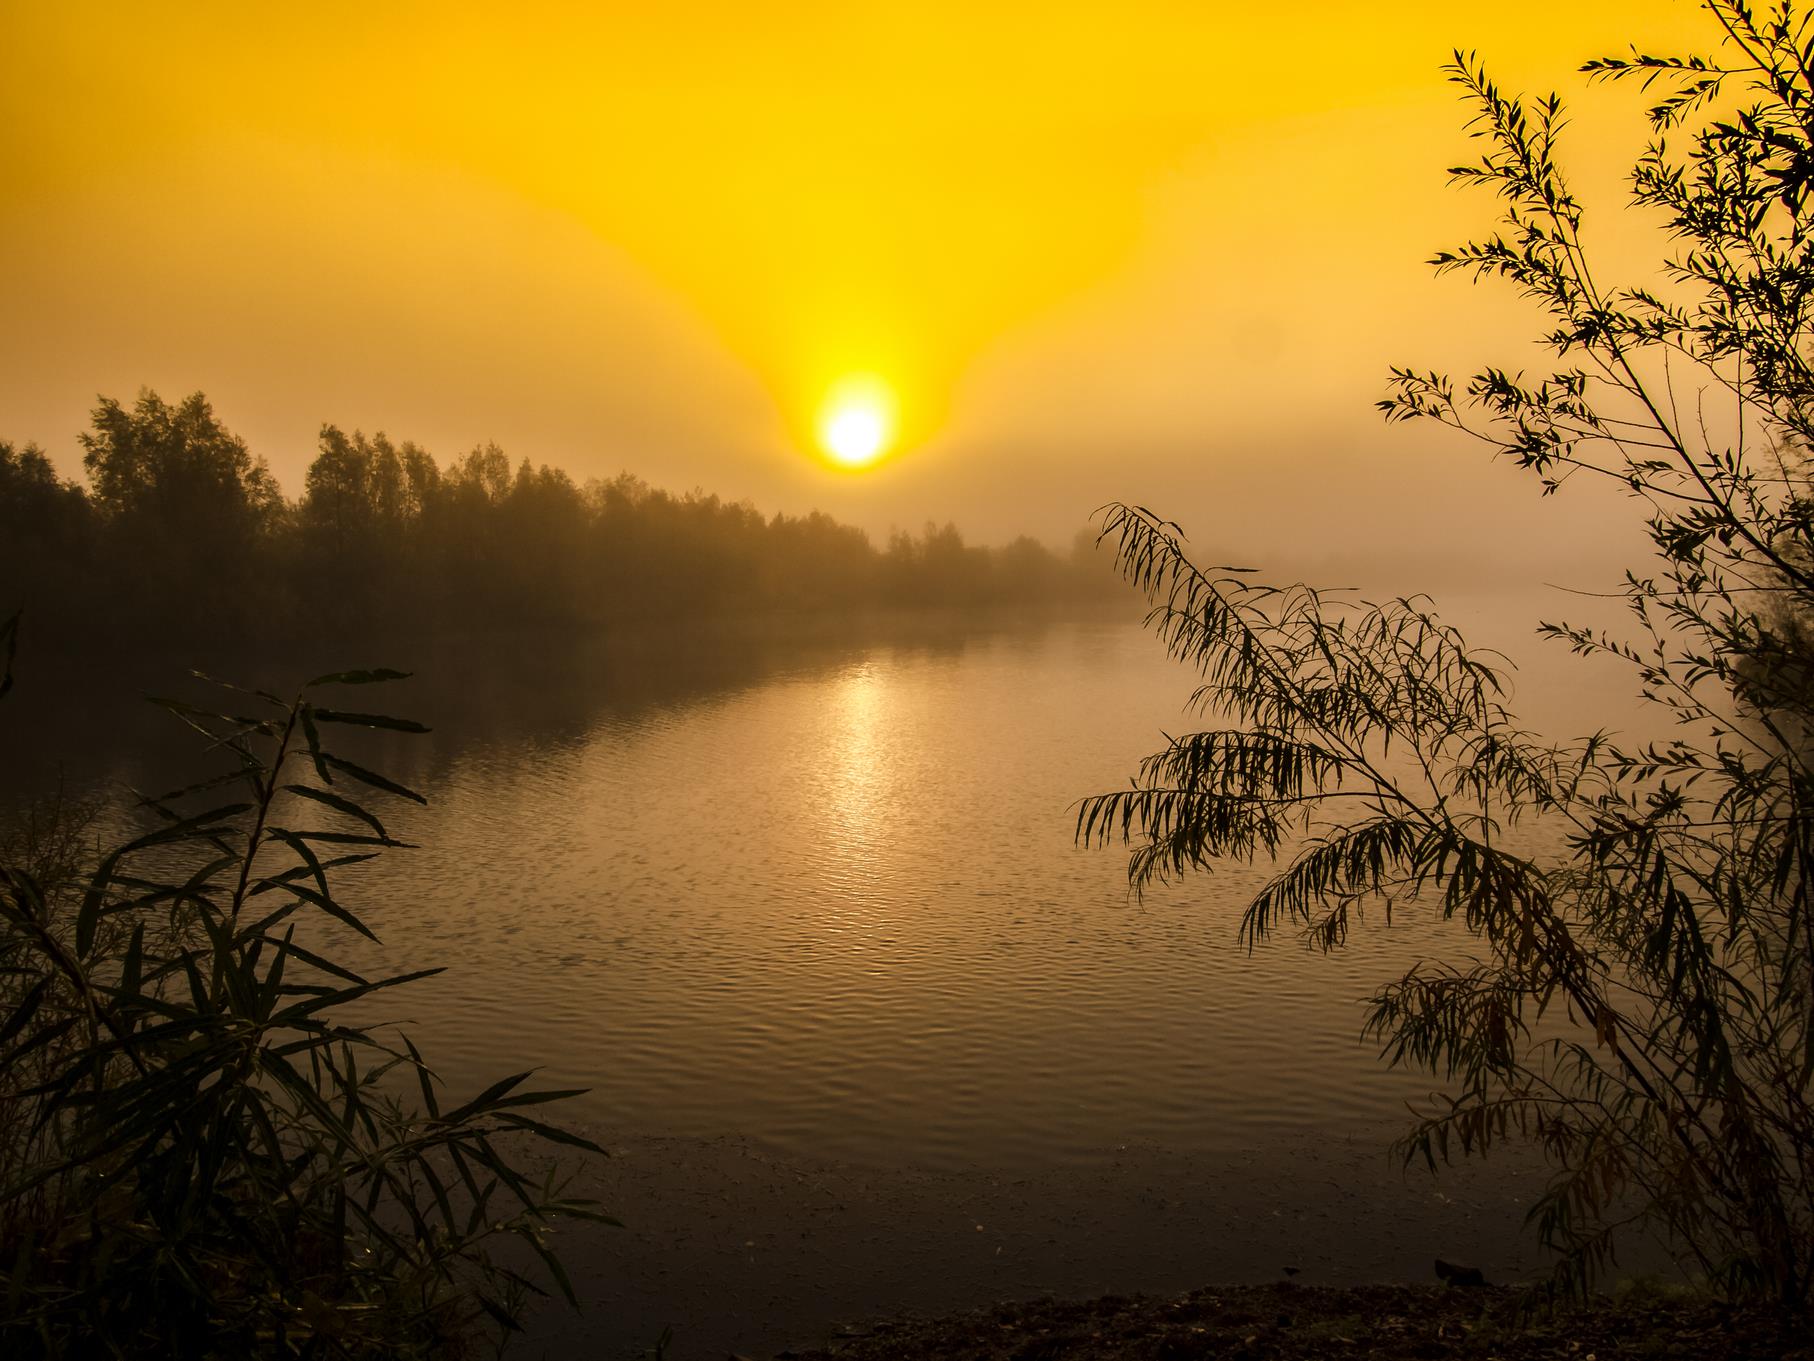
856,422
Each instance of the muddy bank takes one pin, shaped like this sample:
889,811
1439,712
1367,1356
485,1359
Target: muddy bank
1287,1322
743,1249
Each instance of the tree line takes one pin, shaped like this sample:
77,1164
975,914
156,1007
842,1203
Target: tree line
182,532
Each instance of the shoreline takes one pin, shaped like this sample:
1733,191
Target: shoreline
743,1249
1288,1322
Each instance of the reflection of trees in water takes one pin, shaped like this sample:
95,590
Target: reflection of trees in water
72,719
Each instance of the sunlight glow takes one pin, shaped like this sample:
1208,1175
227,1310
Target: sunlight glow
857,422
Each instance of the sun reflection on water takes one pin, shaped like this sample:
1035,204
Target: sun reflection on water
856,763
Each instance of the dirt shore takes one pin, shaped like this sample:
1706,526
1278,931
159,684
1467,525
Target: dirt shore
743,1249
1318,1323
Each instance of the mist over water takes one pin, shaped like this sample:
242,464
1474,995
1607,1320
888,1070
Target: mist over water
809,923
840,910
694,418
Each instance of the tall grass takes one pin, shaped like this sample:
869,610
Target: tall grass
207,1148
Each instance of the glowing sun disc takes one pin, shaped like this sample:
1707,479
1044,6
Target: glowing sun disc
856,424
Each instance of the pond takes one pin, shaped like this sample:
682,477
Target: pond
864,1029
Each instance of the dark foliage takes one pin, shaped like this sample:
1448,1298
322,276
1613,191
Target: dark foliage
1643,1003
182,535
208,1145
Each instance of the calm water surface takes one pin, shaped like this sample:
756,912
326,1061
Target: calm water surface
840,911
810,926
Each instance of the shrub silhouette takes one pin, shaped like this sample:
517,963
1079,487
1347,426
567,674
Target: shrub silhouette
211,1150
1670,939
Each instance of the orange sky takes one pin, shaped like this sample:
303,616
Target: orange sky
1147,251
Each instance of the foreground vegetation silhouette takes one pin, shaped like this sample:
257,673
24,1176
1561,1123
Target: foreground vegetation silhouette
182,535
209,1145
1643,1006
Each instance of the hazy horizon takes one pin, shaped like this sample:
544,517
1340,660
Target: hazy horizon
1165,261
1362,898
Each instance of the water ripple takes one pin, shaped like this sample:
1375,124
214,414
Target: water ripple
840,913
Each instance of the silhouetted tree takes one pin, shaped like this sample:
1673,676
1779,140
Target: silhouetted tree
187,528
176,468
46,536
1666,934
339,501
187,508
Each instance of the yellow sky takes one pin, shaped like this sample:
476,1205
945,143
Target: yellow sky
1146,250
